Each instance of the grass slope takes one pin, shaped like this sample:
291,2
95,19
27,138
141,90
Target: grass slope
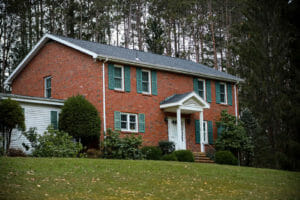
68,178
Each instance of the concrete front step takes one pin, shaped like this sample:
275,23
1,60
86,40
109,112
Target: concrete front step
201,157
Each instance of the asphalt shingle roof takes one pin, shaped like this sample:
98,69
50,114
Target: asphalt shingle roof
175,98
150,58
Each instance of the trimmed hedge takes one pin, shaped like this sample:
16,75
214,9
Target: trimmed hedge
225,157
184,155
152,152
170,157
166,147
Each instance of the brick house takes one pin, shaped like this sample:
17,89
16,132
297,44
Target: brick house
133,91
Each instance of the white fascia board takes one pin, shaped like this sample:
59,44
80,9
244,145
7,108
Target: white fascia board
190,108
166,68
37,47
35,101
170,105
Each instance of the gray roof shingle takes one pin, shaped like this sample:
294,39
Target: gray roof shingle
145,57
175,98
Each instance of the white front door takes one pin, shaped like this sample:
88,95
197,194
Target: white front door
178,139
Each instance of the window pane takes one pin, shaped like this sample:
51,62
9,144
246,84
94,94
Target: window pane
200,85
118,72
118,83
145,87
48,93
123,125
222,98
132,126
200,93
48,82
222,88
132,118
145,76
123,117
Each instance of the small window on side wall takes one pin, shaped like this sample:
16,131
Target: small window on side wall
223,93
201,88
47,82
146,82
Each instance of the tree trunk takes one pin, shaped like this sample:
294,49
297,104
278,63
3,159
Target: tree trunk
213,34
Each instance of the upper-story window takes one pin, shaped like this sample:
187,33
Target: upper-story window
48,87
146,83
223,93
201,88
119,77
129,122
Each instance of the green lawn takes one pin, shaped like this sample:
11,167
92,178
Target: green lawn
68,178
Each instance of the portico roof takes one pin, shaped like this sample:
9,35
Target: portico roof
189,102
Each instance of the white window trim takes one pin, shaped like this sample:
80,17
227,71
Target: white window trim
45,86
225,90
122,77
128,123
204,88
206,132
150,81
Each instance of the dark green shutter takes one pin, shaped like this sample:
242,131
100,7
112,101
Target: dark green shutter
54,119
218,96
117,119
111,80
220,129
127,78
229,94
138,80
196,89
210,132
154,82
197,131
142,123
208,91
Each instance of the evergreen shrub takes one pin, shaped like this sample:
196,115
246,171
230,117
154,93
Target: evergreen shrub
225,157
166,147
184,155
169,157
152,152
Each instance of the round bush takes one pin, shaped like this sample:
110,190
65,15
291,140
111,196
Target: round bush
152,152
169,157
225,157
184,155
166,147
80,119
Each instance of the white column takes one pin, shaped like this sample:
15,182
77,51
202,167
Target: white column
178,146
201,132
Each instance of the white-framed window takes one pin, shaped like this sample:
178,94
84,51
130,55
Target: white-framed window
129,122
201,88
146,82
47,83
205,130
119,77
223,93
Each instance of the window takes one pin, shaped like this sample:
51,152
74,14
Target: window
119,77
129,122
223,93
201,88
146,86
48,87
205,130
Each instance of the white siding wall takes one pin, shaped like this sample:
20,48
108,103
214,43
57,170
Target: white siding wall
36,115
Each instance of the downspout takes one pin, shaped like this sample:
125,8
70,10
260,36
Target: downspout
103,87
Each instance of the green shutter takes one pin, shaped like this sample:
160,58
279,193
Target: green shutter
117,119
208,91
154,82
210,132
111,80
218,96
54,119
197,131
138,80
220,129
127,78
142,123
196,89
229,94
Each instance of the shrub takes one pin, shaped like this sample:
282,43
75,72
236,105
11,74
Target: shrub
122,148
152,152
53,143
15,153
11,116
80,119
225,157
93,153
166,147
169,157
184,155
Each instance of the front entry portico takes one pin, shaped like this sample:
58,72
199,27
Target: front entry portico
186,103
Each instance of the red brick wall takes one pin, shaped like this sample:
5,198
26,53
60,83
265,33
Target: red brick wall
76,73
